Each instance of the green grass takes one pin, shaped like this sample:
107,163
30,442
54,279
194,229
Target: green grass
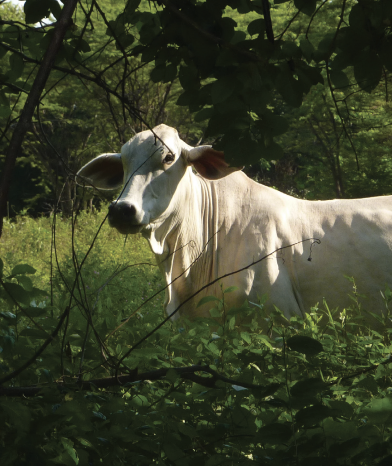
28,240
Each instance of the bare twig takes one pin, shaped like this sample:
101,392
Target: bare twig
185,372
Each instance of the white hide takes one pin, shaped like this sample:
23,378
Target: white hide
227,223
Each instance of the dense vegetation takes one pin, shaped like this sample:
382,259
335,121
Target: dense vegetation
90,372
313,393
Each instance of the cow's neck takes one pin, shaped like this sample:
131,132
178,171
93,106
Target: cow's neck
184,243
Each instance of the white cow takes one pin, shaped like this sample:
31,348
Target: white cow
202,226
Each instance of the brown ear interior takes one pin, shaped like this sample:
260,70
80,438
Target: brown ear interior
211,164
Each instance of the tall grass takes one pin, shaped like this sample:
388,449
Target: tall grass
28,240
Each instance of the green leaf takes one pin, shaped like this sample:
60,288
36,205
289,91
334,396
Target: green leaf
289,88
214,312
242,6
306,6
339,430
19,415
276,433
227,58
206,299
68,446
185,98
188,76
204,114
256,27
125,40
17,65
324,48
1,268
379,410
305,345
313,415
339,79
75,339
307,49
34,333
308,387
222,89
163,73
368,70
272,150
341,408
36,311
84,442
273,125
246,337
131,6
25,282
238,37
83,45
230,289
173,452
241,148
215,460
22,269
291,50
348,448
36,10
17,292
187,430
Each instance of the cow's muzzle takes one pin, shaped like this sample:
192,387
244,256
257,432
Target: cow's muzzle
123,217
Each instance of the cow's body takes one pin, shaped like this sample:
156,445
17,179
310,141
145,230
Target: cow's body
205,229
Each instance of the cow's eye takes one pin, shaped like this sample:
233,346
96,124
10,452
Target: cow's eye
168,159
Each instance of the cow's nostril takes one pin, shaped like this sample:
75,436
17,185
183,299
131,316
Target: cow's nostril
127,210
121,210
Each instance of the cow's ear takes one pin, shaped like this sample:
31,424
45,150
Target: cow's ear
209,163
104,172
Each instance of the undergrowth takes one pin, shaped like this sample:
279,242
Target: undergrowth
315,391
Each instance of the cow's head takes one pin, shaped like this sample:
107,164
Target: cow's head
150,168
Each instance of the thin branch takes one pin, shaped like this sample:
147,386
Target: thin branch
95,79
288,25
184,372
339,114
313,16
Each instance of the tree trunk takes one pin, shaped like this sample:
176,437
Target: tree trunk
14,148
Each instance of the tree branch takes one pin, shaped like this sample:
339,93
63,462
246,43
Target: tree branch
184,372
